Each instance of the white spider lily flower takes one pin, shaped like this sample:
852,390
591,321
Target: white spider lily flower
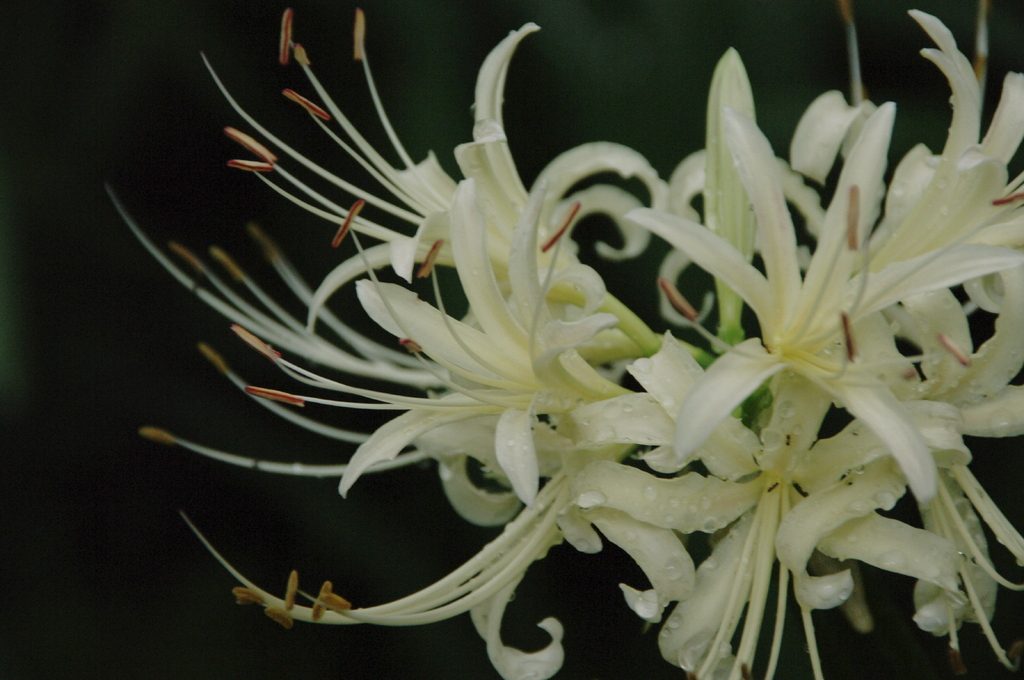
776,500
522,360
810,325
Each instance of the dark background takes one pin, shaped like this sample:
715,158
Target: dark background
100,578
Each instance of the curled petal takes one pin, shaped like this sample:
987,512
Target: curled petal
511,663
657,551
474,504
819,514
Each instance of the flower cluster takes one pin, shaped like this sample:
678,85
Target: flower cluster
522,402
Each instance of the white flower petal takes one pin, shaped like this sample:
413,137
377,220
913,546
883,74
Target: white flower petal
1000,358
713,253
690,630
911,178
425,325
820,134
1001,415
511,663
629,419
685,184
864,169
892,423
758,169
475,505
469,250
942,269
726,384
686,504
644,603
895,546
595,158
966,92
803,528
657,551
516,453
1007,128
390,438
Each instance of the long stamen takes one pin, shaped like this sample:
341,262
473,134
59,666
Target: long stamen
981,47
852,50
162,436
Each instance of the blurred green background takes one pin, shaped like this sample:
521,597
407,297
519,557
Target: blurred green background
99,575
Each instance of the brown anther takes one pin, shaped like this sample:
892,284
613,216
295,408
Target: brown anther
845,10
1008,199
358,35
980,65
336,602
214,357
251,166
347,224
250,143
574,210
410,345
306,104
155,434
1015,651
954,349
853,219
745,672
677,300
229,265
690,675
956,662
851,345
319,608
245,595
286,36
428,262
275,395
289,593
300,54
270,249
257,344
188,256
281,616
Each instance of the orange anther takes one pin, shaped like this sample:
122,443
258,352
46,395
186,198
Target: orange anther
306,104
428,262
251,166
281,616
275,395
157,435
853,219
214,358
254,342
358,35
411,345
251,144
245,595
677,299
286,36
347,224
